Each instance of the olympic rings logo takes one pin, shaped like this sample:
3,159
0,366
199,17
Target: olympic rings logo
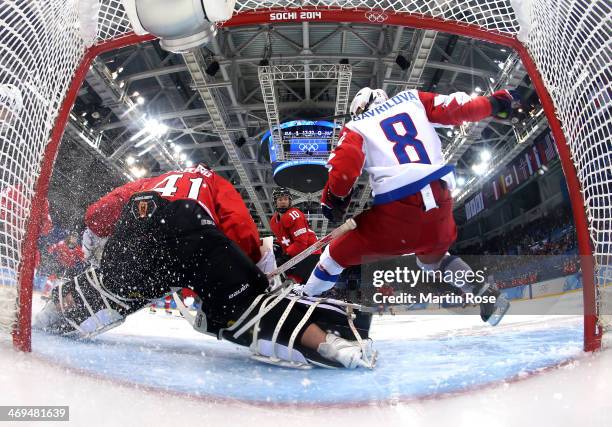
376,16
308,147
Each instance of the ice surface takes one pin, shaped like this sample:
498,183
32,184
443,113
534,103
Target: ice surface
433,370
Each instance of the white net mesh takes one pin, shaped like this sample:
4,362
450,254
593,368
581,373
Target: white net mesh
39,53
41,48
570,42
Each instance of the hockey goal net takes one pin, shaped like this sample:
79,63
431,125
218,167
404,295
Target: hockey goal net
46,48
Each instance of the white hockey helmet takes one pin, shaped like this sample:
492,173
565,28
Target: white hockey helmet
10,97
365,99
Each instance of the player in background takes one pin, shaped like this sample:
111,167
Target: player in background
395,141
386,290
68,256
13,222
293,234
11,103
191,229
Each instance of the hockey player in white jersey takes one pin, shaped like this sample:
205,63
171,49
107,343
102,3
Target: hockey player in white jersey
395,141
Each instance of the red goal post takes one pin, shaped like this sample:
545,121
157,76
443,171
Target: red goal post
44,53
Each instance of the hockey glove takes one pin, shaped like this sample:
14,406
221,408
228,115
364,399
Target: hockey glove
282,258
278,250
334,207
503,103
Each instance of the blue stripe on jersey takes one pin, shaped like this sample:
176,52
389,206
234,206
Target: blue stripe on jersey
413,187
325,276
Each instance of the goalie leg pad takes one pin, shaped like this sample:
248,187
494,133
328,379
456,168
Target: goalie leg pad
277,335
84,307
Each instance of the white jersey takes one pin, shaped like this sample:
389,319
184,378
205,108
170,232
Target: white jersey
403,152
93,247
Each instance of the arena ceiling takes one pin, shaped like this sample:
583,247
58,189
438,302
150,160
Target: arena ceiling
132,89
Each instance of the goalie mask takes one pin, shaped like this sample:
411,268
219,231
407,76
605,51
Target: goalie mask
367,98
278,193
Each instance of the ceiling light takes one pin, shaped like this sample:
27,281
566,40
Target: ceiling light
130,160
140,100
156,128
485,155
146,150
477,89
479,168
460,181
138,172
143,141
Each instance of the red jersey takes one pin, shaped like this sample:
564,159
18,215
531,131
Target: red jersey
13,205
386,290
66,256
212,192
292,231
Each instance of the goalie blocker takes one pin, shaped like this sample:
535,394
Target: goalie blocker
159,245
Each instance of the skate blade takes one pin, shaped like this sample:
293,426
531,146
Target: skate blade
501,307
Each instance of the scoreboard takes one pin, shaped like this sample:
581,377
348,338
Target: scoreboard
306,145
301,139
308,138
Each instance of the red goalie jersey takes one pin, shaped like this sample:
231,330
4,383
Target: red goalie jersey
212,192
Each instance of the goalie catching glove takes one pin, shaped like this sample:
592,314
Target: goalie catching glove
334,207
503,103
